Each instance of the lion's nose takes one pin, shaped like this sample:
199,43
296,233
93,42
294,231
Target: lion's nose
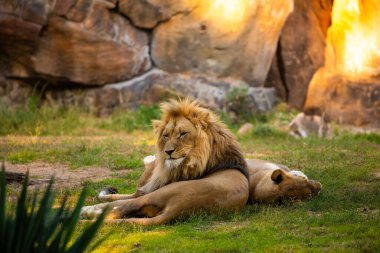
169,152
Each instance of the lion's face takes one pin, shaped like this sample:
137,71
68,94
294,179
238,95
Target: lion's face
190,140
284,185
177,142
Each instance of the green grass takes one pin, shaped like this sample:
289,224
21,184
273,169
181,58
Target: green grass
50,121
114,153
139,119
345,217
36,226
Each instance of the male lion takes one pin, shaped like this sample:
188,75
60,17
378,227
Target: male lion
198,166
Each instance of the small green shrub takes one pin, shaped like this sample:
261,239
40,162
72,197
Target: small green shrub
264,130
372,137
132,120
35,227
239,108
236,104
22,157
35,121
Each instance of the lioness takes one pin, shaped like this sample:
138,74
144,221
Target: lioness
198,166
270,182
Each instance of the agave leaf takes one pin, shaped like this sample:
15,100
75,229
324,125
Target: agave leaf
21,217
100,241
2,206
32,227
85,238
38,219
10,226
69,226
52,227
56,220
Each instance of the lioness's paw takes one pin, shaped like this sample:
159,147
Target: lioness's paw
90,212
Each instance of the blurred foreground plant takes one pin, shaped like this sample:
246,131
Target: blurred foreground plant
35,227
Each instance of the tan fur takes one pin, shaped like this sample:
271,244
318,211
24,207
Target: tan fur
223,190
205,170
270,182
206,143
201,144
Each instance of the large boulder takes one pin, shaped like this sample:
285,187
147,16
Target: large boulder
148,13
221,38
344,99
157,85
71,41
353,40
15,93
18,41
300,51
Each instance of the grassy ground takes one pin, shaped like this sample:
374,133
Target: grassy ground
345,217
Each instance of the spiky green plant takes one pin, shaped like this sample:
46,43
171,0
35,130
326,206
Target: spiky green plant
34,226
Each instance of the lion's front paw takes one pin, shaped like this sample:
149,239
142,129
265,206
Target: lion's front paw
149,159
107,191
90,212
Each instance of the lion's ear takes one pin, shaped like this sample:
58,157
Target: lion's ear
158,126
277,176
203,117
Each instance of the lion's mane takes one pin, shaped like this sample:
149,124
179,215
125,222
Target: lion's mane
216,146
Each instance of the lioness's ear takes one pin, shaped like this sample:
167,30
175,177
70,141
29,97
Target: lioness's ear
158,126
277,176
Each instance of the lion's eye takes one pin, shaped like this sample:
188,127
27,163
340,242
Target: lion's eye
165,136
183,134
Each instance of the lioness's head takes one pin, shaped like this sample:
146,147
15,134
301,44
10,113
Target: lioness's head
294,185
191,139
281,185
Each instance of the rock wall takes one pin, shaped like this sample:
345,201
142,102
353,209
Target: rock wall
156,85
74,46
347,89
82,42
240,45
344,99
301,50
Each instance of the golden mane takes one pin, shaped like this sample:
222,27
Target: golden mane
216,147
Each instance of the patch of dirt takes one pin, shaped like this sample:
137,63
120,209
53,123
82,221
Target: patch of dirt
64,177
229,226
377,175
366,211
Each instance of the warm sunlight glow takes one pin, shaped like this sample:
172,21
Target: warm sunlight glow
355,36
228,15
232,11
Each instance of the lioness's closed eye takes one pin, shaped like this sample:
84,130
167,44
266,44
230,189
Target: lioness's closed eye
270,182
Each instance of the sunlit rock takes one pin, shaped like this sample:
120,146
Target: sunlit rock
354,38
222,38
148,13
300,50
347,88
343,99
